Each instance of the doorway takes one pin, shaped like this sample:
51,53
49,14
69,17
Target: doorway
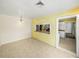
66,34
67,31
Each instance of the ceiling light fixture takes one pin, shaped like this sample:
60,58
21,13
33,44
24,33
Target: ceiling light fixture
40,3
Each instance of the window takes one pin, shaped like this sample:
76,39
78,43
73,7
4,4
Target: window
44,28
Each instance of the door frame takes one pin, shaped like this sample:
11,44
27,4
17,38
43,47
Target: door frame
57,33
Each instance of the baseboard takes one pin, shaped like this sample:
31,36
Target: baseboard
7,42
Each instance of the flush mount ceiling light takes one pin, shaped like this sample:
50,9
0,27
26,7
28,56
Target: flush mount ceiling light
40,3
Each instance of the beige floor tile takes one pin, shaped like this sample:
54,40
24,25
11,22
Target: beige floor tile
69,44
31,48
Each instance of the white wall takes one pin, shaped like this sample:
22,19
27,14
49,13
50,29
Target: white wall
11,29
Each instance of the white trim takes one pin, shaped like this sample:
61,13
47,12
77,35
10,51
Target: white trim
7,42
64,17
77,36
57,33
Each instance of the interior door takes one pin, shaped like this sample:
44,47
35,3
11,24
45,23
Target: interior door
77,35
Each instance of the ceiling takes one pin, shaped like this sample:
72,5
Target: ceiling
28,8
